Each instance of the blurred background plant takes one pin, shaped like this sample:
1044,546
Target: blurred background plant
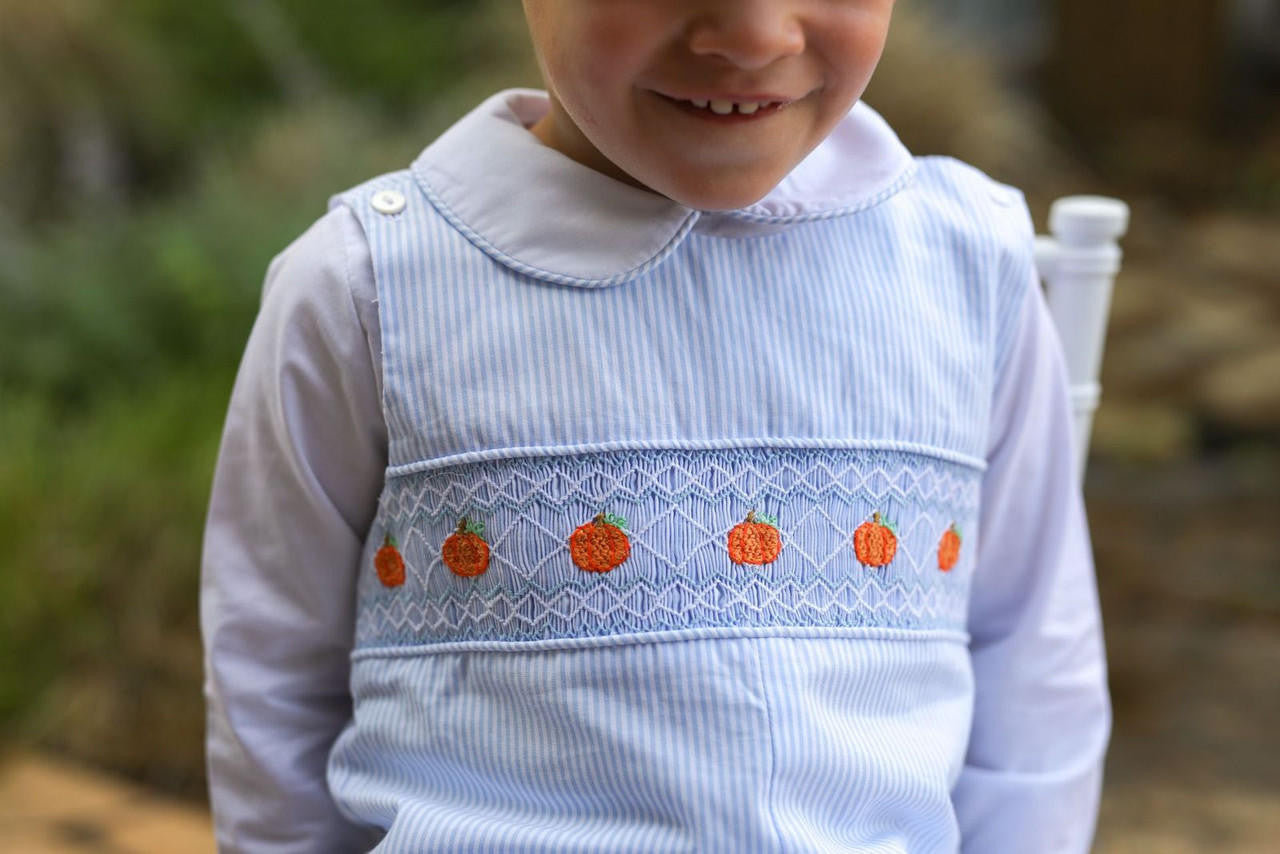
154,157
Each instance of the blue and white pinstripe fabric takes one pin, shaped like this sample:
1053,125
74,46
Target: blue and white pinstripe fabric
821,371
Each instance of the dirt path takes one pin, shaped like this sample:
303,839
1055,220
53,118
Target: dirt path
48,806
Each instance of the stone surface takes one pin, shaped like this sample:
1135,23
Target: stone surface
1245,390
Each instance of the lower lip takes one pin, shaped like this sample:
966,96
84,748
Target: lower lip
733,118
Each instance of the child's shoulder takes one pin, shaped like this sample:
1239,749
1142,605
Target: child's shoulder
962,179
333,249
968,195
982,218
384,193
988,224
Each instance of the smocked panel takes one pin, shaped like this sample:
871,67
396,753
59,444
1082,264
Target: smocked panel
860,538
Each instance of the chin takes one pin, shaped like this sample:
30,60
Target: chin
724,195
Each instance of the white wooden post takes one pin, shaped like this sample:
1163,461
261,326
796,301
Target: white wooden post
1078,264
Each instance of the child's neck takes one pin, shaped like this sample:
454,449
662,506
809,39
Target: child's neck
556,130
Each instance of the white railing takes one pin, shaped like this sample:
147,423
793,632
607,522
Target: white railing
1078,264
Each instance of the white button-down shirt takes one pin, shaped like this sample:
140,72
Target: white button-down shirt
311,442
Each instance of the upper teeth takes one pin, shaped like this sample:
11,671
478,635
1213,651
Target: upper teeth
724,108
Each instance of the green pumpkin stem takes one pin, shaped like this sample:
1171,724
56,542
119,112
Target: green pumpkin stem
876,518
762,518
467,525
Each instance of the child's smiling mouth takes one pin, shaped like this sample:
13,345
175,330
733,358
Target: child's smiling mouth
726,111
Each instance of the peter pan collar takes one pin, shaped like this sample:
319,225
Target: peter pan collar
546,215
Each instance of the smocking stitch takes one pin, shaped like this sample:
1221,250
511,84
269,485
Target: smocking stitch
576,609
630,446
673,571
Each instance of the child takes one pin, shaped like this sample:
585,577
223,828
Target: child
667,461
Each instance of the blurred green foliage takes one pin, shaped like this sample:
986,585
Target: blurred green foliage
147,83
98,642
123,312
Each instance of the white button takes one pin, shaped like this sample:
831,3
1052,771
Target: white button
388,202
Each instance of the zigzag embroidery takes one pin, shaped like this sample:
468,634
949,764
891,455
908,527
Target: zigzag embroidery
647,606
711,475
680,505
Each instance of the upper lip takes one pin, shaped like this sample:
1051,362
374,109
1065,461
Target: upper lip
752,98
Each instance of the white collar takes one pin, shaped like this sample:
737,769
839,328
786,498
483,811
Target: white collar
544,214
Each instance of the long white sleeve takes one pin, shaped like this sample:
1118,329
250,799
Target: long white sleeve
295,488
1042,717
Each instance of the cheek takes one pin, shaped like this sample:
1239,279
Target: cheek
851,56
606,35
607,56
856,40
597,71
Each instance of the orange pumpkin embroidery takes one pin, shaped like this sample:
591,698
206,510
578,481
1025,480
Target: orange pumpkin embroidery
949,548
755,540
464,551
875,542
389,563
601,544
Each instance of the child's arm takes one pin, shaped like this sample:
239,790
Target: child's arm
1042,716
296,485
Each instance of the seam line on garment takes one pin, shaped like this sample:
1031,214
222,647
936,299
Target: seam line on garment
349,281
450,216
772,748
898,184
668,636
1002,365
383,402
402,469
